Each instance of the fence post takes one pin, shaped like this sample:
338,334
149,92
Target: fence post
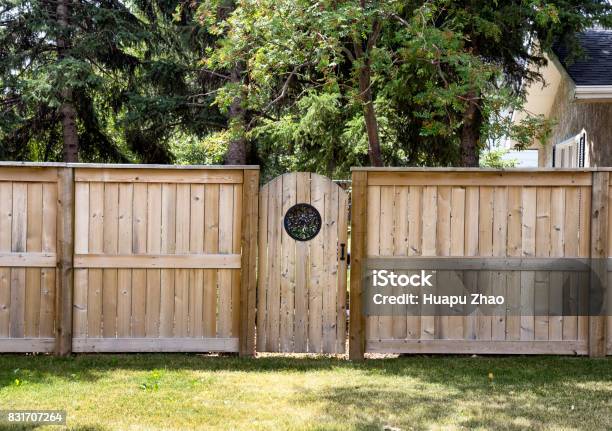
359,203
65,248
599,254
248,285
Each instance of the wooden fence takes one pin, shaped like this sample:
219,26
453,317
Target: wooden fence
28,222
127,258
108,258
437,213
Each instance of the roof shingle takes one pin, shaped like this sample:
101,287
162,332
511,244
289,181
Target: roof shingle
596,67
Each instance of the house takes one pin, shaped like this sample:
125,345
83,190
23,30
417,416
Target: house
577,95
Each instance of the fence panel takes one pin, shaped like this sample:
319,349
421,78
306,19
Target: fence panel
28,202
441,213
157,259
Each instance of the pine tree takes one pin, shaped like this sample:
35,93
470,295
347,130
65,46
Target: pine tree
100,81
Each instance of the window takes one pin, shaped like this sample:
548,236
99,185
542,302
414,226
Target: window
572,153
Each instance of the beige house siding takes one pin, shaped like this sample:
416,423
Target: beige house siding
571,117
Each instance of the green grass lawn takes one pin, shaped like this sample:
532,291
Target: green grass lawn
174,391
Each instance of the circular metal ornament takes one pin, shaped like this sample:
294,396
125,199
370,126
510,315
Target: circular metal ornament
302,222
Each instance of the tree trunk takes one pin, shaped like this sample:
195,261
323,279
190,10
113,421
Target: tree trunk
69,127
236,151
371,122
67,111
470,132
362,57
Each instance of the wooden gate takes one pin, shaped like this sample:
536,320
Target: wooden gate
301,297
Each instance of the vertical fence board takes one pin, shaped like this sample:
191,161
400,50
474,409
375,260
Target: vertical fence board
430,216
500,241
153,290
557,247
202,297
226,218
330,267
181,285
415,225
528,250
400,248
124,276
443,244
317,262
287,281
65,249
457,240
81,246
110,246
386,240
262,270
485,248
373,247
572,220
6,218
48,275
300,342
542,278
237,217
599,251
33,244
357,322
341,298
168,246
18,275
96,245
211,245
248,242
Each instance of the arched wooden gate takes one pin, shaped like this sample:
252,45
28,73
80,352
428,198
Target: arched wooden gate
301,297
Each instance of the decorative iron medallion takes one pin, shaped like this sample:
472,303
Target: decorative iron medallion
302,222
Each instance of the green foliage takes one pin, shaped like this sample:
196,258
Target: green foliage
495,159
157,81
131,68
299,74
190,150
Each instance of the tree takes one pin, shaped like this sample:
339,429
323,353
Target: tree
404,73
101,81
516,35
213,14
67,112
349,28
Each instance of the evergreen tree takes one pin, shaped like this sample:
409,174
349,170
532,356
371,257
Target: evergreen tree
101,80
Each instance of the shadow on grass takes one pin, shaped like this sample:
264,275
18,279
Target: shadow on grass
377,408
464,406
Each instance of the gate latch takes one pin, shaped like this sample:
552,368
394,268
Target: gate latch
342,247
